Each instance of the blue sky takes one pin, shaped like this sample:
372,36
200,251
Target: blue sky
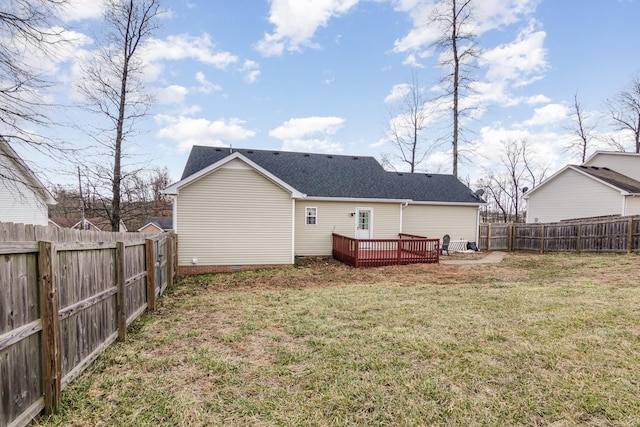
320,75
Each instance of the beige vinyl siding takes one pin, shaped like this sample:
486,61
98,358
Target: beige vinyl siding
459,222
625,163
572,195
18,202
633,205
234,216
335,217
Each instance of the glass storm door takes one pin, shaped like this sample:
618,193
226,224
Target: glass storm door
364,218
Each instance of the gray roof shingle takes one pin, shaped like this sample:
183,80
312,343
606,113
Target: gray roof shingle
612,177
327,175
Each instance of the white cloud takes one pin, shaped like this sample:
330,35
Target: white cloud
251,70
205,85
296,22
549,114
398,92
76,10
307,133
184,46
187,131
173,94
521,62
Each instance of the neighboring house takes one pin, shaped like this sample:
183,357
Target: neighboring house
608,183
236,208
156,224
92,224
23,198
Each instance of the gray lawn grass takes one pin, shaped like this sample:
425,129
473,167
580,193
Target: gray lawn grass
535,340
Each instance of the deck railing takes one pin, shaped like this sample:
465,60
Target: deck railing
407,249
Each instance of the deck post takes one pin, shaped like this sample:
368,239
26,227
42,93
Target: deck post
399,250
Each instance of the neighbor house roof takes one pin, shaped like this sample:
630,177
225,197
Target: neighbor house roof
606,176
96,223
162,222
340,176
614,178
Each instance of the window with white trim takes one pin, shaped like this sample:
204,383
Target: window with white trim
311,216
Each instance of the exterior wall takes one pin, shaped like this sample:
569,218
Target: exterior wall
572,195
633,205
625,163
234,216
459,222
335,217
150,229
18,202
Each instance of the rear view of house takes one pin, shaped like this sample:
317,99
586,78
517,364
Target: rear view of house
239,208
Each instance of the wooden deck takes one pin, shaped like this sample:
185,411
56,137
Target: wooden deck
407,249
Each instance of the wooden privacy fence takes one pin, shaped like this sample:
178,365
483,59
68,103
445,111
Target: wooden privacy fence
65,296
621,234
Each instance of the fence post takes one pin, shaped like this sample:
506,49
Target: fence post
122,291
51,358
488,237
150,256
510,238
579,239
542,239
630,236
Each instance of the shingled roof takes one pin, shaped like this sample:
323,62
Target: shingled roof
340,176
612,177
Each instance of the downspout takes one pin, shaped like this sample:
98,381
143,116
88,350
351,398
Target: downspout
402,206
293,230
175,212
478,227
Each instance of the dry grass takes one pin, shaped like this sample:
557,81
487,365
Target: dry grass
534,340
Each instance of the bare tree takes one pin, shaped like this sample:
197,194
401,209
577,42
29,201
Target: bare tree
458,47
518,173
113,84
26,31
406,127
581,129
624,109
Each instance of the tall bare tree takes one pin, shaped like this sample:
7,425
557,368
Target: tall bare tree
113,84
27,30
624,110
406,127
457,44
582,130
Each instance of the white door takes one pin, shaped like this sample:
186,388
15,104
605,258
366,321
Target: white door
364,223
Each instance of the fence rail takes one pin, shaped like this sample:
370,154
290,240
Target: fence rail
65,296
616,235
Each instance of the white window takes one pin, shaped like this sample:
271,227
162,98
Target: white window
311,216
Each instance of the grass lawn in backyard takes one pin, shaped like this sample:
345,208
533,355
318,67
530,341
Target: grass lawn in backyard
534,340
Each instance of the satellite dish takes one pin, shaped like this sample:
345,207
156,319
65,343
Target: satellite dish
525,189
479,192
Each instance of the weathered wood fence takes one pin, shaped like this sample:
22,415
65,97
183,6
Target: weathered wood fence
621,234
65,296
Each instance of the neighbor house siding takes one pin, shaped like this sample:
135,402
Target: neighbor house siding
234,216
459,222
335,217
572,195
633,205
625,163
18,202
